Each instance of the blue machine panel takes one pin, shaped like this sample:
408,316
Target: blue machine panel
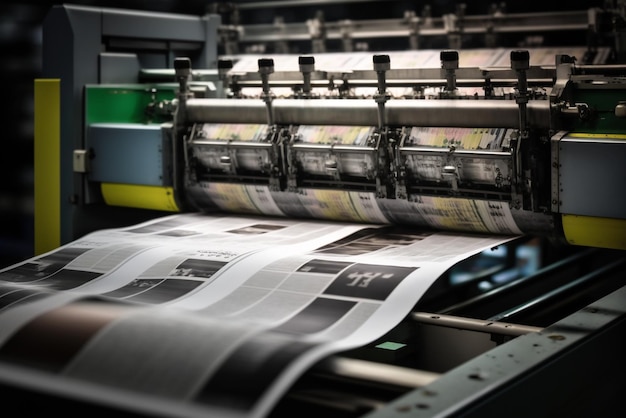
128,153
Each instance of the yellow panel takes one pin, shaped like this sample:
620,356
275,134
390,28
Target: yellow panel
47,159
138,196
595,232
596,136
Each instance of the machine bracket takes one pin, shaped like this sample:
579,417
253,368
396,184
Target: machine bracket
554,167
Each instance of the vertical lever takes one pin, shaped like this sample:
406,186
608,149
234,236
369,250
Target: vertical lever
182,70
382,63
450,63
223,67
266,67
520,62
307,66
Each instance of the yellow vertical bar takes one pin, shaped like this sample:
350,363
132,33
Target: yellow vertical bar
47,168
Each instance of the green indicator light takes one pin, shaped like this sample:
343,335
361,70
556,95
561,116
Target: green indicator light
388,345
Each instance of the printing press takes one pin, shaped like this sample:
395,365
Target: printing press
153,119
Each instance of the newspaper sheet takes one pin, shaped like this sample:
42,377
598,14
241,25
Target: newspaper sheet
195,315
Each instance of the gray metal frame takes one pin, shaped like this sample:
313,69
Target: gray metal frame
575,368
87,45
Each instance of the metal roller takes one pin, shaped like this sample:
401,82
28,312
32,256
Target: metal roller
461,113
226,111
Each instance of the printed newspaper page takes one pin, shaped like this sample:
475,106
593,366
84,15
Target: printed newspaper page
205,315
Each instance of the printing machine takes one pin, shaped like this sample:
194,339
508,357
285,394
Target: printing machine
140,134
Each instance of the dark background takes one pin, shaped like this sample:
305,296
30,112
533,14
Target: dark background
20,64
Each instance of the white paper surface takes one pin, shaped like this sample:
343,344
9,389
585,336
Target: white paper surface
212,314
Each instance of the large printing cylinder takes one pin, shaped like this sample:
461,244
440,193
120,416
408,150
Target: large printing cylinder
458,113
